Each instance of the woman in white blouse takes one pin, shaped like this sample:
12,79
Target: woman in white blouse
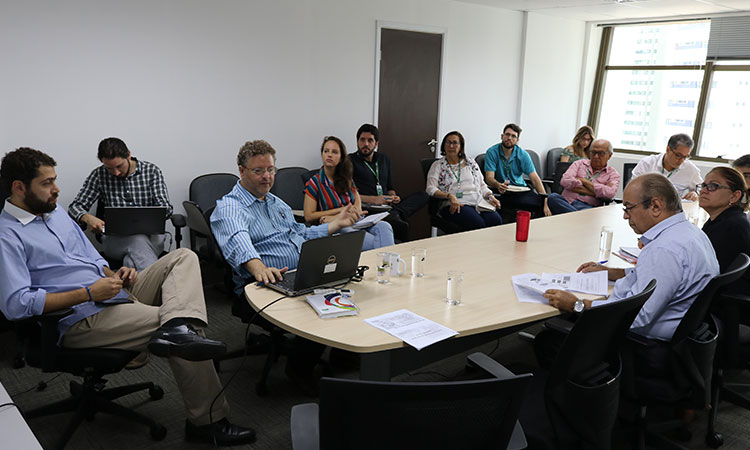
469,203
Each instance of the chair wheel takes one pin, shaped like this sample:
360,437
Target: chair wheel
158,432
156,392
714,440
261,389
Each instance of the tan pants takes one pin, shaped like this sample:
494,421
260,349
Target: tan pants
170,288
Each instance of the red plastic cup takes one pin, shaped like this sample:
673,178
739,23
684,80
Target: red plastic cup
522,225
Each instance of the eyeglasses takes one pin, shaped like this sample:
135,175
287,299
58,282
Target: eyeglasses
452,143
259,171
627,209
679,156
710,187
599,154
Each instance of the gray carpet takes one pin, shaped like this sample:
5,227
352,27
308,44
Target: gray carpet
269,414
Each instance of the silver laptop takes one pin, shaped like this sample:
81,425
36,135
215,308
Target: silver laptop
130,220
323,262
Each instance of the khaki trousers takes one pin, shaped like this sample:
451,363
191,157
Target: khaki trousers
170,288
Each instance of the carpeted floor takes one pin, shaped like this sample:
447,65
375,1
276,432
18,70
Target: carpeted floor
268,414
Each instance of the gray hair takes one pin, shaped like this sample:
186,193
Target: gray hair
656,185
678,140
609,145
254,148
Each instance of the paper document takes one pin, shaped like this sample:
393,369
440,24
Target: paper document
413,329
530,286
632,251
365,222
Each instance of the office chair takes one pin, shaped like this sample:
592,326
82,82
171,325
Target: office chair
537,164
555,186
204,191
550,165
685,380
477,414
627,173
40,336
289,186
579,385
437,221
480,162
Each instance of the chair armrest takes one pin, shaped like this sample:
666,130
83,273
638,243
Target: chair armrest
735,298
638,339
304,427
489,366
559,325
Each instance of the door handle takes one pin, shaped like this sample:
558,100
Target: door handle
433,145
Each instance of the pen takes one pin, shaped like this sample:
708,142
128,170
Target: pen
603,262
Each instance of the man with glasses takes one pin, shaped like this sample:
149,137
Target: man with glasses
122,180
675,165
587,181
505,164
372,176
675,252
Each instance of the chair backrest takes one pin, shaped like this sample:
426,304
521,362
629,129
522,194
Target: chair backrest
552,158
3,195
627,173
434,203
206,189
480,162
596,338
537,162
476,414
289,186
560,170
199,222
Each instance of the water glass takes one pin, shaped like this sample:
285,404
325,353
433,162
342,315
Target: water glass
418,257
384,268
605,239
455,282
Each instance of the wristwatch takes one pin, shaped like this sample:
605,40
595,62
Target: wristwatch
578,307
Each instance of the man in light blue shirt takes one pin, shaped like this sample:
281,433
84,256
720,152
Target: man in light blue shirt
675,252
256,230
505,164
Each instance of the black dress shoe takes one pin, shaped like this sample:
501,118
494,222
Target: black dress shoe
184,342
222,432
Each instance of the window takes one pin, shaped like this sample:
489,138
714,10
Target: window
656,73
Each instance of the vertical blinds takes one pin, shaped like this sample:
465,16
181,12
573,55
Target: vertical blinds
729,38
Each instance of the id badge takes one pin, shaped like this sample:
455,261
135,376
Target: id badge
379,188
459,193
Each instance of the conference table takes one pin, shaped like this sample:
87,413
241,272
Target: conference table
489,307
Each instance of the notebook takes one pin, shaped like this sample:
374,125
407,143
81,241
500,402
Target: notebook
323,262
130,220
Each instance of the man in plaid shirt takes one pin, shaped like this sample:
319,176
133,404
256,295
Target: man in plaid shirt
123,180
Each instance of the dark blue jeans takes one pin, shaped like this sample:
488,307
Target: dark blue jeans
559,205
468,218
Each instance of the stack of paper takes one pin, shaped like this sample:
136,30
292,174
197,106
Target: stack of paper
332,305
529,287
365,222
413,329
629,254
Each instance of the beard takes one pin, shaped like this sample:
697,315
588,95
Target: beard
39,206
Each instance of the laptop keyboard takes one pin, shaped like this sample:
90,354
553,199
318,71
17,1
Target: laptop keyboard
288,281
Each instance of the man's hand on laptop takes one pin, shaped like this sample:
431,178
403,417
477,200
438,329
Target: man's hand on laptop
345,218
265,274
105,288
127,275
94,223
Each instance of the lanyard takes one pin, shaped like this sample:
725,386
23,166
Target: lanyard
590,176
662,168
375,172
457,176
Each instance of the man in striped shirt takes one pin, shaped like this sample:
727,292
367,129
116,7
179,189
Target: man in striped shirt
123,180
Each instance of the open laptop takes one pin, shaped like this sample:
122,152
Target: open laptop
323,262
130,220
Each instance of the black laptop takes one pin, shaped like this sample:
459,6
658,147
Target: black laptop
130,220
323,262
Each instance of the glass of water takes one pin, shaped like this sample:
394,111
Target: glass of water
418,257
384,268
455,283
605,239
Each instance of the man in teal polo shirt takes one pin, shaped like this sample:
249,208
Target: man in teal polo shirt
510,162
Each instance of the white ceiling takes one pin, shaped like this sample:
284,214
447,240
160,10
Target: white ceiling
614,10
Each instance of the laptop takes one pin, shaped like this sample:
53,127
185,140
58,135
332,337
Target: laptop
323,262
130,220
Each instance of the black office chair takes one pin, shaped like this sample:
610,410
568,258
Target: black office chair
40,336
437,221
555,187
480,162
363,415
289,186
551,160
537,163
686,379
581,388
627,173
204,191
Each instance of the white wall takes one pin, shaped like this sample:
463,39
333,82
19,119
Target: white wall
186,82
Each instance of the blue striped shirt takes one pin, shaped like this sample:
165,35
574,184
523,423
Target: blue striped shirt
246,228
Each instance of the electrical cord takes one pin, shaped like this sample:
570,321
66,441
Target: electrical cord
42,385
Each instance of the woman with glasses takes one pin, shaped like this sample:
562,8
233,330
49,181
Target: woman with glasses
579,149
456,178
331,189
724,196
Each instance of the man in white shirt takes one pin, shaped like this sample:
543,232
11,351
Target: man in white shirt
674,165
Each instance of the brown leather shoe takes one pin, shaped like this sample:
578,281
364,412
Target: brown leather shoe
139,361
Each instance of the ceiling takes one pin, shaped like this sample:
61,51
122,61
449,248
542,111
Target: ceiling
616,10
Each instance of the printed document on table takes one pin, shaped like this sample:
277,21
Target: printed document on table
413,329
587,283
529,288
